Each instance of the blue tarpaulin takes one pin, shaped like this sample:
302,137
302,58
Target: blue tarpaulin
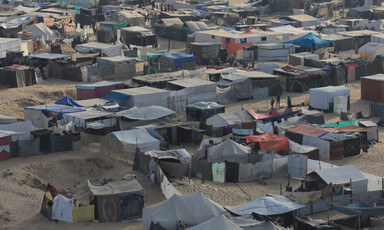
67,101
308,41
116,96
180,58
60,109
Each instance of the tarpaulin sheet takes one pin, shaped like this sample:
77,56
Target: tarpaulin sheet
341,124
218,172
180,59
324,146
258,116
297,165
280,167
351,128
67,101
308,41
62,208
116,97
270,141
310,130
253,172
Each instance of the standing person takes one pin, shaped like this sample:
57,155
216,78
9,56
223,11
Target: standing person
278,99
153,4
168,7
289,103
173,8
272,103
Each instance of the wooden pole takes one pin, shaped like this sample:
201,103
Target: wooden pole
190,169
350,182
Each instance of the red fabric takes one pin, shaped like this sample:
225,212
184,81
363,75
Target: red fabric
98,92
3,155
258,116
3,141
270,141
310,130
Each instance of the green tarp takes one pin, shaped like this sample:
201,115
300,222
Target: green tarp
341,124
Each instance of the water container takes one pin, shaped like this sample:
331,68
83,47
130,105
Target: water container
340,104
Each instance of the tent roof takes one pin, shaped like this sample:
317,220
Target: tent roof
219,222
135,136
145,113
266,206
205,105
191,82
6,119
308,41
168,22
340,175
67,101
229,150
232,118
116,187
192,209
270,141
89,114
179,154
289,29
310,130
98,84
376,77
56,108
196,26
49,56
40,29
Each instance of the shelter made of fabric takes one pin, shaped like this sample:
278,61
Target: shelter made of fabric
270,141
229,150
308,41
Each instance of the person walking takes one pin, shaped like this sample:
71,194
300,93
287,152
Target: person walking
278,100
289,103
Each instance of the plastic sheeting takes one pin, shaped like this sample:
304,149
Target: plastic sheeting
191,209
280,167
146,113
324,146
62,208
320,98
131,139
218,172
217,223
269,141
297,165
266,206
308,41
253,172
230,151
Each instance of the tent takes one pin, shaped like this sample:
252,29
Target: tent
96,90
222,123
142,96
270,141
266,206
133,18
190,209
109,50
114,200
371,87
230,151
125,142
145,113
94,119
175,61
370,50
138,36
217,223
7,119
195,89
240,87
308,41
323,98
67,101
201,111
41,31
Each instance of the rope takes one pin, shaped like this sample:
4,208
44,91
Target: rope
250,198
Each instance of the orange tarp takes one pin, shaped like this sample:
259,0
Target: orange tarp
258,116
310,130
270,141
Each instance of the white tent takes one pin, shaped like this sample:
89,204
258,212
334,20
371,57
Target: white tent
191,209
320,98
128,140
266,206
217,223
229,150
146,113
370,50
228,119
41,31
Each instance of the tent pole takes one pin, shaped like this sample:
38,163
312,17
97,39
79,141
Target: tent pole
190,169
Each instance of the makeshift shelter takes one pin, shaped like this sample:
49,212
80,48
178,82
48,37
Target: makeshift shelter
190,27
138,36
116,200
274,52
201,111
205,52
372,133
189,209
41,31
302,20
270,206
122,67
142,96
299,58
371,88
370,50
67,101
22,143
139,116
97,47
341,178
169,28
309,151
133,18
236,86
5,146
196,89
308,41
7,119
341,43
9,44
217,223
96,90
174,163
124,143
269,141
40,115
360,37
91,119
230,151
323,98
222,123
18,76
176,61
